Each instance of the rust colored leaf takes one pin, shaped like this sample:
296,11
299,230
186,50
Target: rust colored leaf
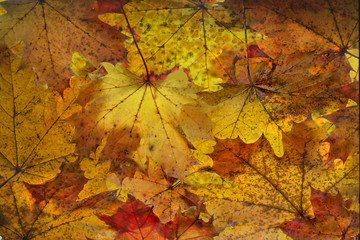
333,219
306,25
134,220
207,119
344,140
189,225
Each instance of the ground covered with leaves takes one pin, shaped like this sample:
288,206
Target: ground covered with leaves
179,119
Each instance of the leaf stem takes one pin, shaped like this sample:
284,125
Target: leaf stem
133,35
246,45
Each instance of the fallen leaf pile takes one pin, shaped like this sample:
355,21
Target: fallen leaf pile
179,119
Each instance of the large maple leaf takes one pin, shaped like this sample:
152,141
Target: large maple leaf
326,27
52,30
307,25
160,114
275,97
190,34
35,139
266,190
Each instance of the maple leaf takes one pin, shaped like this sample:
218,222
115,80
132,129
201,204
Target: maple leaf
143,137
106,176
189,225
160,112
188,34
267,190
35,138
261,106
167,196
333,219
306,25
345,138
52,30
326,28
134,220
49,211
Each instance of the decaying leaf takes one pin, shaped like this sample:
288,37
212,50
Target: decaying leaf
49,211
189,225
52,30
166,196
272,154
35,139
189,34
267,190
307,25
274,98
106,176
344,140
333,219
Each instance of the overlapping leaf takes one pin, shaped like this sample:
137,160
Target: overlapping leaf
142,131
49,211
268,190
52,30
345,138
134,220
306,25
333,219
277,95
160,114
190,34
35,139
167,197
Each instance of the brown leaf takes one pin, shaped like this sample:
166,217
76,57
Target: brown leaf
52,30
278,96
344,140
332,220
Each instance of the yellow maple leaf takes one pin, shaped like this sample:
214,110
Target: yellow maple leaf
280,93
35,138
158,117
188,34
